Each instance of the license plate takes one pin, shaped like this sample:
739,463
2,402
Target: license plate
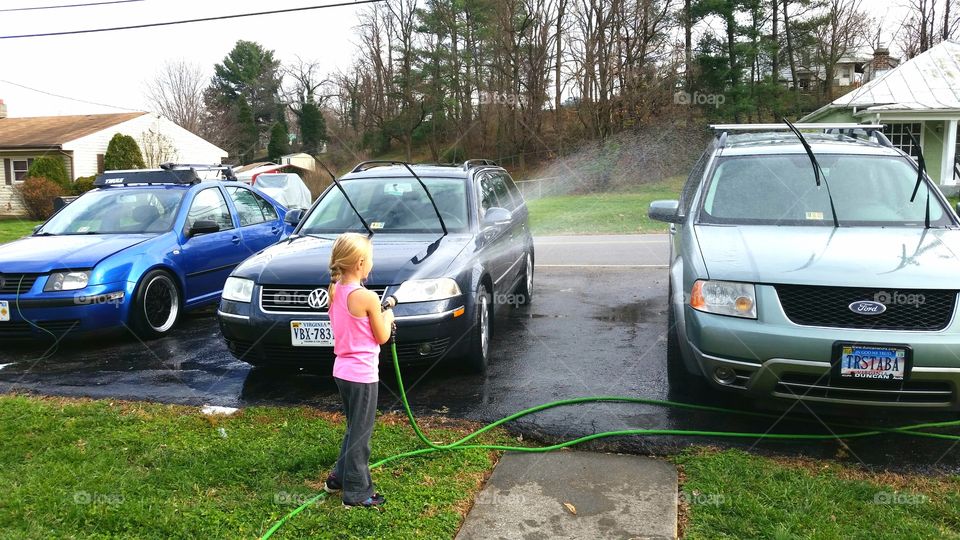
873,362
311,334
4,310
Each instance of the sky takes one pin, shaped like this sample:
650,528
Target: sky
114,68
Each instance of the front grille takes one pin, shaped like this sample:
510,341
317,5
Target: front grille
907,309
800,385
266,354
17,283
294,298
24,330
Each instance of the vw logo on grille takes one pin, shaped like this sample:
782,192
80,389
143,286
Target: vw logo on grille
318,299
867,307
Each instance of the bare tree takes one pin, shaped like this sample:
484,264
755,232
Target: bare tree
845,29
177,93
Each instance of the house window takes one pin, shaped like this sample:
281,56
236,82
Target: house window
899,135
20,168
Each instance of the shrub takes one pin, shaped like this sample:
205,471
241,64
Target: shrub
123,153
37,194
83,184
51,168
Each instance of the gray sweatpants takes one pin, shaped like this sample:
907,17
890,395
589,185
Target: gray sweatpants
353,465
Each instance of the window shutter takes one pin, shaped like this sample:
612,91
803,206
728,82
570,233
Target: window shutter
8,171
99,163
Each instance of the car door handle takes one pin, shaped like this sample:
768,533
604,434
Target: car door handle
275,230
235,240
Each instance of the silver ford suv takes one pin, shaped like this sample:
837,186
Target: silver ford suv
822,267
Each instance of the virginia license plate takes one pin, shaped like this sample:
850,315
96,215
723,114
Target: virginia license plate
4,310
311,334
874,362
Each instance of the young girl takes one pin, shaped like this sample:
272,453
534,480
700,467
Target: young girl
359,328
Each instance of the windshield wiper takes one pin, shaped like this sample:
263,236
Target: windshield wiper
429,196
921,170
816,168
344,192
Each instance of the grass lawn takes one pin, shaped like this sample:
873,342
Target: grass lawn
732,494
11,229
602,212
99,469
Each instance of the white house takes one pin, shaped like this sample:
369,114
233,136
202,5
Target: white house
81,141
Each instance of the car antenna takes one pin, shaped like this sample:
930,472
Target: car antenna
429,196
816,168
344,192
921,170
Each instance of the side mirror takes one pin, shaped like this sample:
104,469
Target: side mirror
293,217
665,211
203,227
496,217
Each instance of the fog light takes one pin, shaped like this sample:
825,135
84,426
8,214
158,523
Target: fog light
425,349
725,375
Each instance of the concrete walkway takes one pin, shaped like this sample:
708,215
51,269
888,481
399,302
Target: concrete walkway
610,496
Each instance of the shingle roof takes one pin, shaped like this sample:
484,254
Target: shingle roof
929,81
44,131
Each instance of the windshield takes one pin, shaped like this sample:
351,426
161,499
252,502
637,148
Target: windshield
117,211
780,190
391,205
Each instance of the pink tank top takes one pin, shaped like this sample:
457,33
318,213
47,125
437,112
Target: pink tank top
357,352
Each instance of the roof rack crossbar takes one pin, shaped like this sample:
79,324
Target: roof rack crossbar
781,127
364,165
167,173
478,163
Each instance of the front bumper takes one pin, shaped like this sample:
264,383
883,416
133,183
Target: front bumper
427,332
39,315
774,357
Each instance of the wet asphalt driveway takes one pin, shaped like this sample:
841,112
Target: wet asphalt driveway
596,327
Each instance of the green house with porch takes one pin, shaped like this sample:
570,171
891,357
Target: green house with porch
921,96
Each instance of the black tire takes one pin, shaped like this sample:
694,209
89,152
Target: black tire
525,289
479,354
679,379
156,305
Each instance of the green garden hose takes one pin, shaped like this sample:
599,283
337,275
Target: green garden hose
460,444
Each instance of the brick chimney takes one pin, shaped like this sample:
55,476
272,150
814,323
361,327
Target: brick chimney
3,109
881,57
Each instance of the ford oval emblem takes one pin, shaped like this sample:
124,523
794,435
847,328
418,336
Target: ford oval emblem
867,307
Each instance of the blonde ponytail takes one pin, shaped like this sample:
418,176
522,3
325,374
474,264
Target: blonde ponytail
347,251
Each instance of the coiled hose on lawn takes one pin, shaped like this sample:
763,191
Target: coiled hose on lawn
913,430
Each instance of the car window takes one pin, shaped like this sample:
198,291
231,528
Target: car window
781,190
118,211
251,207
503,195
209,205
513,189
488,196
391,205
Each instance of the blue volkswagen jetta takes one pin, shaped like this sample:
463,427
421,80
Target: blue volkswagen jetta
136,252
451,250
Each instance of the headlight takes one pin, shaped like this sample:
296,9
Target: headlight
423,290
725,298
67,281
238,289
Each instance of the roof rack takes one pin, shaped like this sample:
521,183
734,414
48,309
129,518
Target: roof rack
478,163
364,165
168,173
783,127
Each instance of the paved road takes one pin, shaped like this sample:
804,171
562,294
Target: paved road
591,330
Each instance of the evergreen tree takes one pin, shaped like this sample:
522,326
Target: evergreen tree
123,153
279,142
